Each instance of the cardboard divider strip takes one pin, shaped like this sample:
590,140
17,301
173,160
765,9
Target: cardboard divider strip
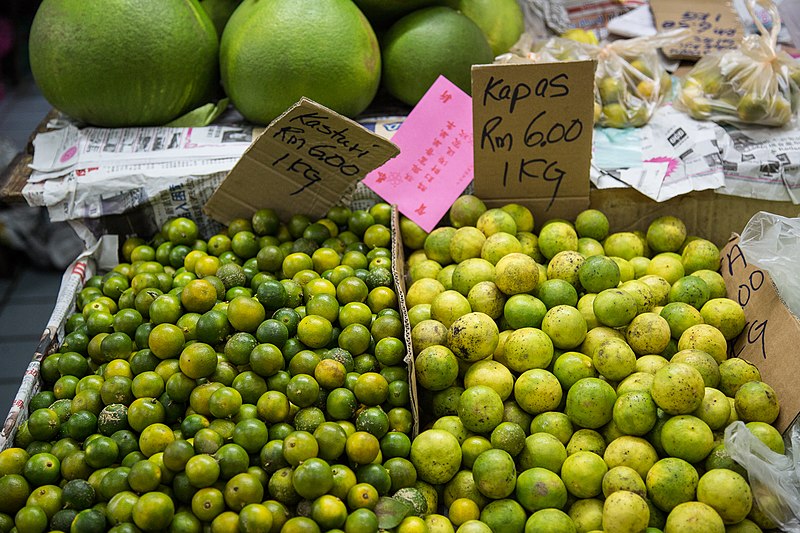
398,273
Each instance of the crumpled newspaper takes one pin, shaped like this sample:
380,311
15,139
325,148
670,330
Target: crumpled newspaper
545,17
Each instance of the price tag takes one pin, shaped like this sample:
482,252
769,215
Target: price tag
435,162
533,135
771,334
714,26
302,163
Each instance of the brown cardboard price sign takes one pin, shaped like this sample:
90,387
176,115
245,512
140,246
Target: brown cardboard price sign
532,126
302,163
771,334
714,26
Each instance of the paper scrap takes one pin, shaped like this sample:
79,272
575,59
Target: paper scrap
635,23
678,155
436,158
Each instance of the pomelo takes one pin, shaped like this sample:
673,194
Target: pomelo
274,52
383,12
427,43
501,20
219,11
117,63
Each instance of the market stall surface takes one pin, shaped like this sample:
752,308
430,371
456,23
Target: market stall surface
27,293
21,111
26,300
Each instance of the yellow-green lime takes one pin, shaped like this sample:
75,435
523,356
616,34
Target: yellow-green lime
624,244
583,474
671,481
556,237
666,234
466,210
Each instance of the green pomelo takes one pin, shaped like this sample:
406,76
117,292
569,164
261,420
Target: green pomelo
413,57
382,12
219,11
117,63
501,21
273,53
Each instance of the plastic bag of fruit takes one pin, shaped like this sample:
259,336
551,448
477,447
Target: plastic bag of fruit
753,84
773,477
630,80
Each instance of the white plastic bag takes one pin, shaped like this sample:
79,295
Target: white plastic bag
755,83
774,478
630,80
772,242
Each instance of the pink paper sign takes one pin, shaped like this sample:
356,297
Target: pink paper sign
435,164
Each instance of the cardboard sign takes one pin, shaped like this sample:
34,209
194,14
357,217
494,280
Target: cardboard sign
435,162
533,135
770,337
714,26
790,19
302,163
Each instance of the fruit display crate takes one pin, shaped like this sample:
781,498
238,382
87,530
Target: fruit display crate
90,262
101,258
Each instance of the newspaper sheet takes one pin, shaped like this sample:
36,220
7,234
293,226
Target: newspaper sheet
670,156
90,173
762,163
58,152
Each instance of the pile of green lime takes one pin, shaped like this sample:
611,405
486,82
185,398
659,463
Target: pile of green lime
254,381
578,379
571,379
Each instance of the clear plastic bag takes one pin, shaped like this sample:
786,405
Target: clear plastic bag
774,478
630,80
772,242
753,84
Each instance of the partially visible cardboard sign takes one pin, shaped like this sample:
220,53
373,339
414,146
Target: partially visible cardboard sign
302,163
790,18
714,26
533,135
435,163
592,15
770,337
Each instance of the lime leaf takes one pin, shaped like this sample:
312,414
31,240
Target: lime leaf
201,116
391,512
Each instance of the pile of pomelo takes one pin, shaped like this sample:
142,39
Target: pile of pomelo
574,380
132,63
251,382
